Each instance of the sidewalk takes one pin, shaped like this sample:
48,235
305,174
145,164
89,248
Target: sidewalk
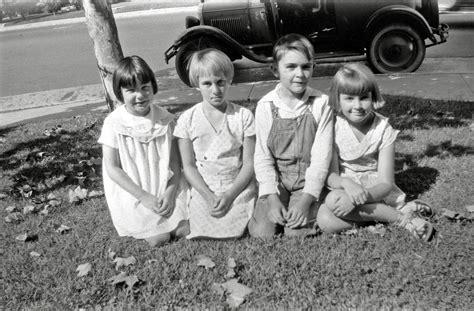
15,110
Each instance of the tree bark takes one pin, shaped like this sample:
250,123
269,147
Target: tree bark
108,52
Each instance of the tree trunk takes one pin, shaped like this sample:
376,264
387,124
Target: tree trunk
108,52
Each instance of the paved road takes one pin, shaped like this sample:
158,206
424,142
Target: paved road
62,56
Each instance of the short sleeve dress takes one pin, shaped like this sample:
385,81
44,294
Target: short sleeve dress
358,159
218,155
144,145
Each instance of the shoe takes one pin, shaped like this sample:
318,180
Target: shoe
418,207
418,227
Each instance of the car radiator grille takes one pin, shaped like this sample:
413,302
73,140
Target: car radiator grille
232,26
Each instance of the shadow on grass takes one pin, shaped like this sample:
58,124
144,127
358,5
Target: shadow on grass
44,164
415,181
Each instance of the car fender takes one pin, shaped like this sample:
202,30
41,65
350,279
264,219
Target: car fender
221,37
404,14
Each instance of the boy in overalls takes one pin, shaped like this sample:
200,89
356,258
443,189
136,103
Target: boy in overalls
294,131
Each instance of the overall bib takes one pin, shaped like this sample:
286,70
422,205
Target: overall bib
290,141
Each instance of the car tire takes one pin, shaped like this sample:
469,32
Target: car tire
185,53
396,48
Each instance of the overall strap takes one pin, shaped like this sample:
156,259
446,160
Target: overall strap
275,113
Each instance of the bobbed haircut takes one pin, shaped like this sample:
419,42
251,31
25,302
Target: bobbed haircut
207,62
130,72
354,79
292,42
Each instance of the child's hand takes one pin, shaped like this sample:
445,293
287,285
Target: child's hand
275,210
224,202
356,192
150,201
343,205
211,201
297,216
166,204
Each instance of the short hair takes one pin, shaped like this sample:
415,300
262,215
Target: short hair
354,79
209,61
292,42
130,72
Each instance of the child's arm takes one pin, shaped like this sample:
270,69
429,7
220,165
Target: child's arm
243,178
386,172
192,174
118,175
168,199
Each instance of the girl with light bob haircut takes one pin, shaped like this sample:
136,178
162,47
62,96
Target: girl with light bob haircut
216,139
354,79
361,175
208,61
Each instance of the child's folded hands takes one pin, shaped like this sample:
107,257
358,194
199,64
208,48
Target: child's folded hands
222,206
356,192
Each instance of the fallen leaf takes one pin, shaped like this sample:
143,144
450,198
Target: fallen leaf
26,237
83,269
350,232
10,209
35,254
205,261
124,262
470,208
77,194
124,278
235,291
231,263
150,261
449,214
44,211
3,196
377,229
112,254
28,209
62,229
14,217
95,193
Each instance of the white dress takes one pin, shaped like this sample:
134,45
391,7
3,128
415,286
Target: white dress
144,145
359,160
218,155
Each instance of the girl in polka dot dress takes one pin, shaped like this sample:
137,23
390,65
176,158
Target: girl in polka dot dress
216,139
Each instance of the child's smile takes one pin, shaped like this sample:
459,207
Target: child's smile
356,108
137,100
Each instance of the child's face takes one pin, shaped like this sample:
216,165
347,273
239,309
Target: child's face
214,87
356,108
137,100
294,70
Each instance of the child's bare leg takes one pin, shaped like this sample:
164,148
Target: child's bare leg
158,240
182,230
330,223
260,225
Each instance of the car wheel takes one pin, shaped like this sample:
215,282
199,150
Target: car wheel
396,48
185,53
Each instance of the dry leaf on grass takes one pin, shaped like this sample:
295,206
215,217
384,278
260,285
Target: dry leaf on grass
451,215
470,208
77,194
235,292
3,196
231,268
205,262
35,254
26,237
29,209
124,262
377,229
112,254
124,278
62,229
14,217
95,193
350,232
10,209
84,269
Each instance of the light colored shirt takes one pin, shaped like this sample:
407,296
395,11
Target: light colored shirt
321,151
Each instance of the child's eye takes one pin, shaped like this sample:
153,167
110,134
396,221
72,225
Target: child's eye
221,83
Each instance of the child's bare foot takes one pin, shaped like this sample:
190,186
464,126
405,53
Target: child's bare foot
158,240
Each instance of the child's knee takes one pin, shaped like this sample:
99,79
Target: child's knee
158,240
261,229
333,197
327,221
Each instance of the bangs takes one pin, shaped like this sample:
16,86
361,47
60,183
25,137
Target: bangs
356,86
132,78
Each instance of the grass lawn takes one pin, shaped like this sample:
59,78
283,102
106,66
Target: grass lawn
363,270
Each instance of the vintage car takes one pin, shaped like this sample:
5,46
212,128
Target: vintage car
392,34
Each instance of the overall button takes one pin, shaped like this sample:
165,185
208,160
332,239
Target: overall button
205,158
